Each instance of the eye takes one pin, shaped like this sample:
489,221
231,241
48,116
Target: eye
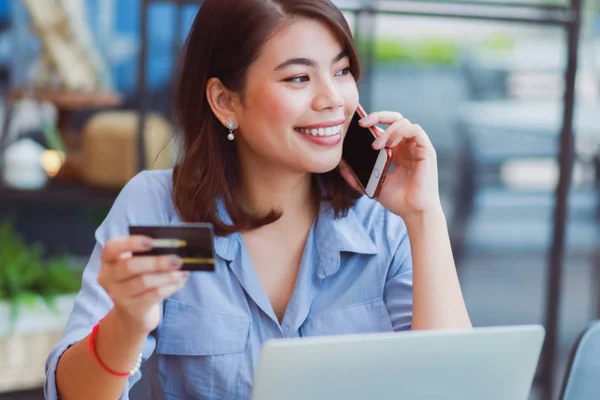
344,71
297,79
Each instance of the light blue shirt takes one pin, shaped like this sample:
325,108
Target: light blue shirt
355,277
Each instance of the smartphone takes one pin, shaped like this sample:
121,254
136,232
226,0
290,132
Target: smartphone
193,242
368,165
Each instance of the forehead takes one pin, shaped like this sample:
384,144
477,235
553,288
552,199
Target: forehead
302,37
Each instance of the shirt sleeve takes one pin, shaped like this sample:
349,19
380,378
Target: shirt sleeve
137,203
398,292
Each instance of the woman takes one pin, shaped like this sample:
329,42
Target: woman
300,253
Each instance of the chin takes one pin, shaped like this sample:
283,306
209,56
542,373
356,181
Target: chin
325,165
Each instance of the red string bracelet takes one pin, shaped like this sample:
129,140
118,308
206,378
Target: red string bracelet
94,354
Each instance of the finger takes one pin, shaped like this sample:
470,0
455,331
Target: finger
151,297
381,117
146,264
114,248
410,133
143,283
349,177
393,135
418,134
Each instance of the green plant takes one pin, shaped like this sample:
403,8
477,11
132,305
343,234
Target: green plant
423,51
26,275
500,42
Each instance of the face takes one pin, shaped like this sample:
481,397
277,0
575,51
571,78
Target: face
299,99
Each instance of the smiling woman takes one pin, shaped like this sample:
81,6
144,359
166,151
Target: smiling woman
289,101
266,95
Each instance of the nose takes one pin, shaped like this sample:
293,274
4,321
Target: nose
327,97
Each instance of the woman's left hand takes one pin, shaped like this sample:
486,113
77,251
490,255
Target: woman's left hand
412,187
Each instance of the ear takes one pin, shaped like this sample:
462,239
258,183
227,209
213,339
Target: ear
222,101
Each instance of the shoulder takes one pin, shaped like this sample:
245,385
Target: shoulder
148,195
386,229
145,200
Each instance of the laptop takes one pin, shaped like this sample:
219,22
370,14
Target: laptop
496,363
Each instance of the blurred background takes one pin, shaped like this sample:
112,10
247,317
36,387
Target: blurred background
487,80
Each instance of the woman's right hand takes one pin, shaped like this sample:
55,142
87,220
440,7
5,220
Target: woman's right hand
136,285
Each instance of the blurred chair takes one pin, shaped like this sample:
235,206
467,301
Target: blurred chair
582,377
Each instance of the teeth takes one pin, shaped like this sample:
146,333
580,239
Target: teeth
330,131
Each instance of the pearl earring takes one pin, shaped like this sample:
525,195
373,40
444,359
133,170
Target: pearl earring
230,126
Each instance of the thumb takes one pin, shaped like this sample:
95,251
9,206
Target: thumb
349,177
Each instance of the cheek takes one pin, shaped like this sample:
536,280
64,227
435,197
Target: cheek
275,106
350,89
351,98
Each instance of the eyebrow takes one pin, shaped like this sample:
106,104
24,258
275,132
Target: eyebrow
308,62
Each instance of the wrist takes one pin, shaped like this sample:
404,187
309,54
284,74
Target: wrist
117,350
94,353
425,217
125,326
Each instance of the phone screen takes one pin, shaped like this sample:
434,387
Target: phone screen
357,151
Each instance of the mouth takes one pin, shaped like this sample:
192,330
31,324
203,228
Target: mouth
322,131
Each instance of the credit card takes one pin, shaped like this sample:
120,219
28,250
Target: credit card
194,243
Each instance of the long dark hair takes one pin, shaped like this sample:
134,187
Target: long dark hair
226,38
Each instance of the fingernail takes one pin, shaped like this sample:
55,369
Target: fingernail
175,262
364,120
389,143
146,243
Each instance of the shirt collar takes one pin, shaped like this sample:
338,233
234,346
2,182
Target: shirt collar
336,235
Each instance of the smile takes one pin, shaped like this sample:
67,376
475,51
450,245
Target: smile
329,131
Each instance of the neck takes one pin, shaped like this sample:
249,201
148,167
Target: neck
262,190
